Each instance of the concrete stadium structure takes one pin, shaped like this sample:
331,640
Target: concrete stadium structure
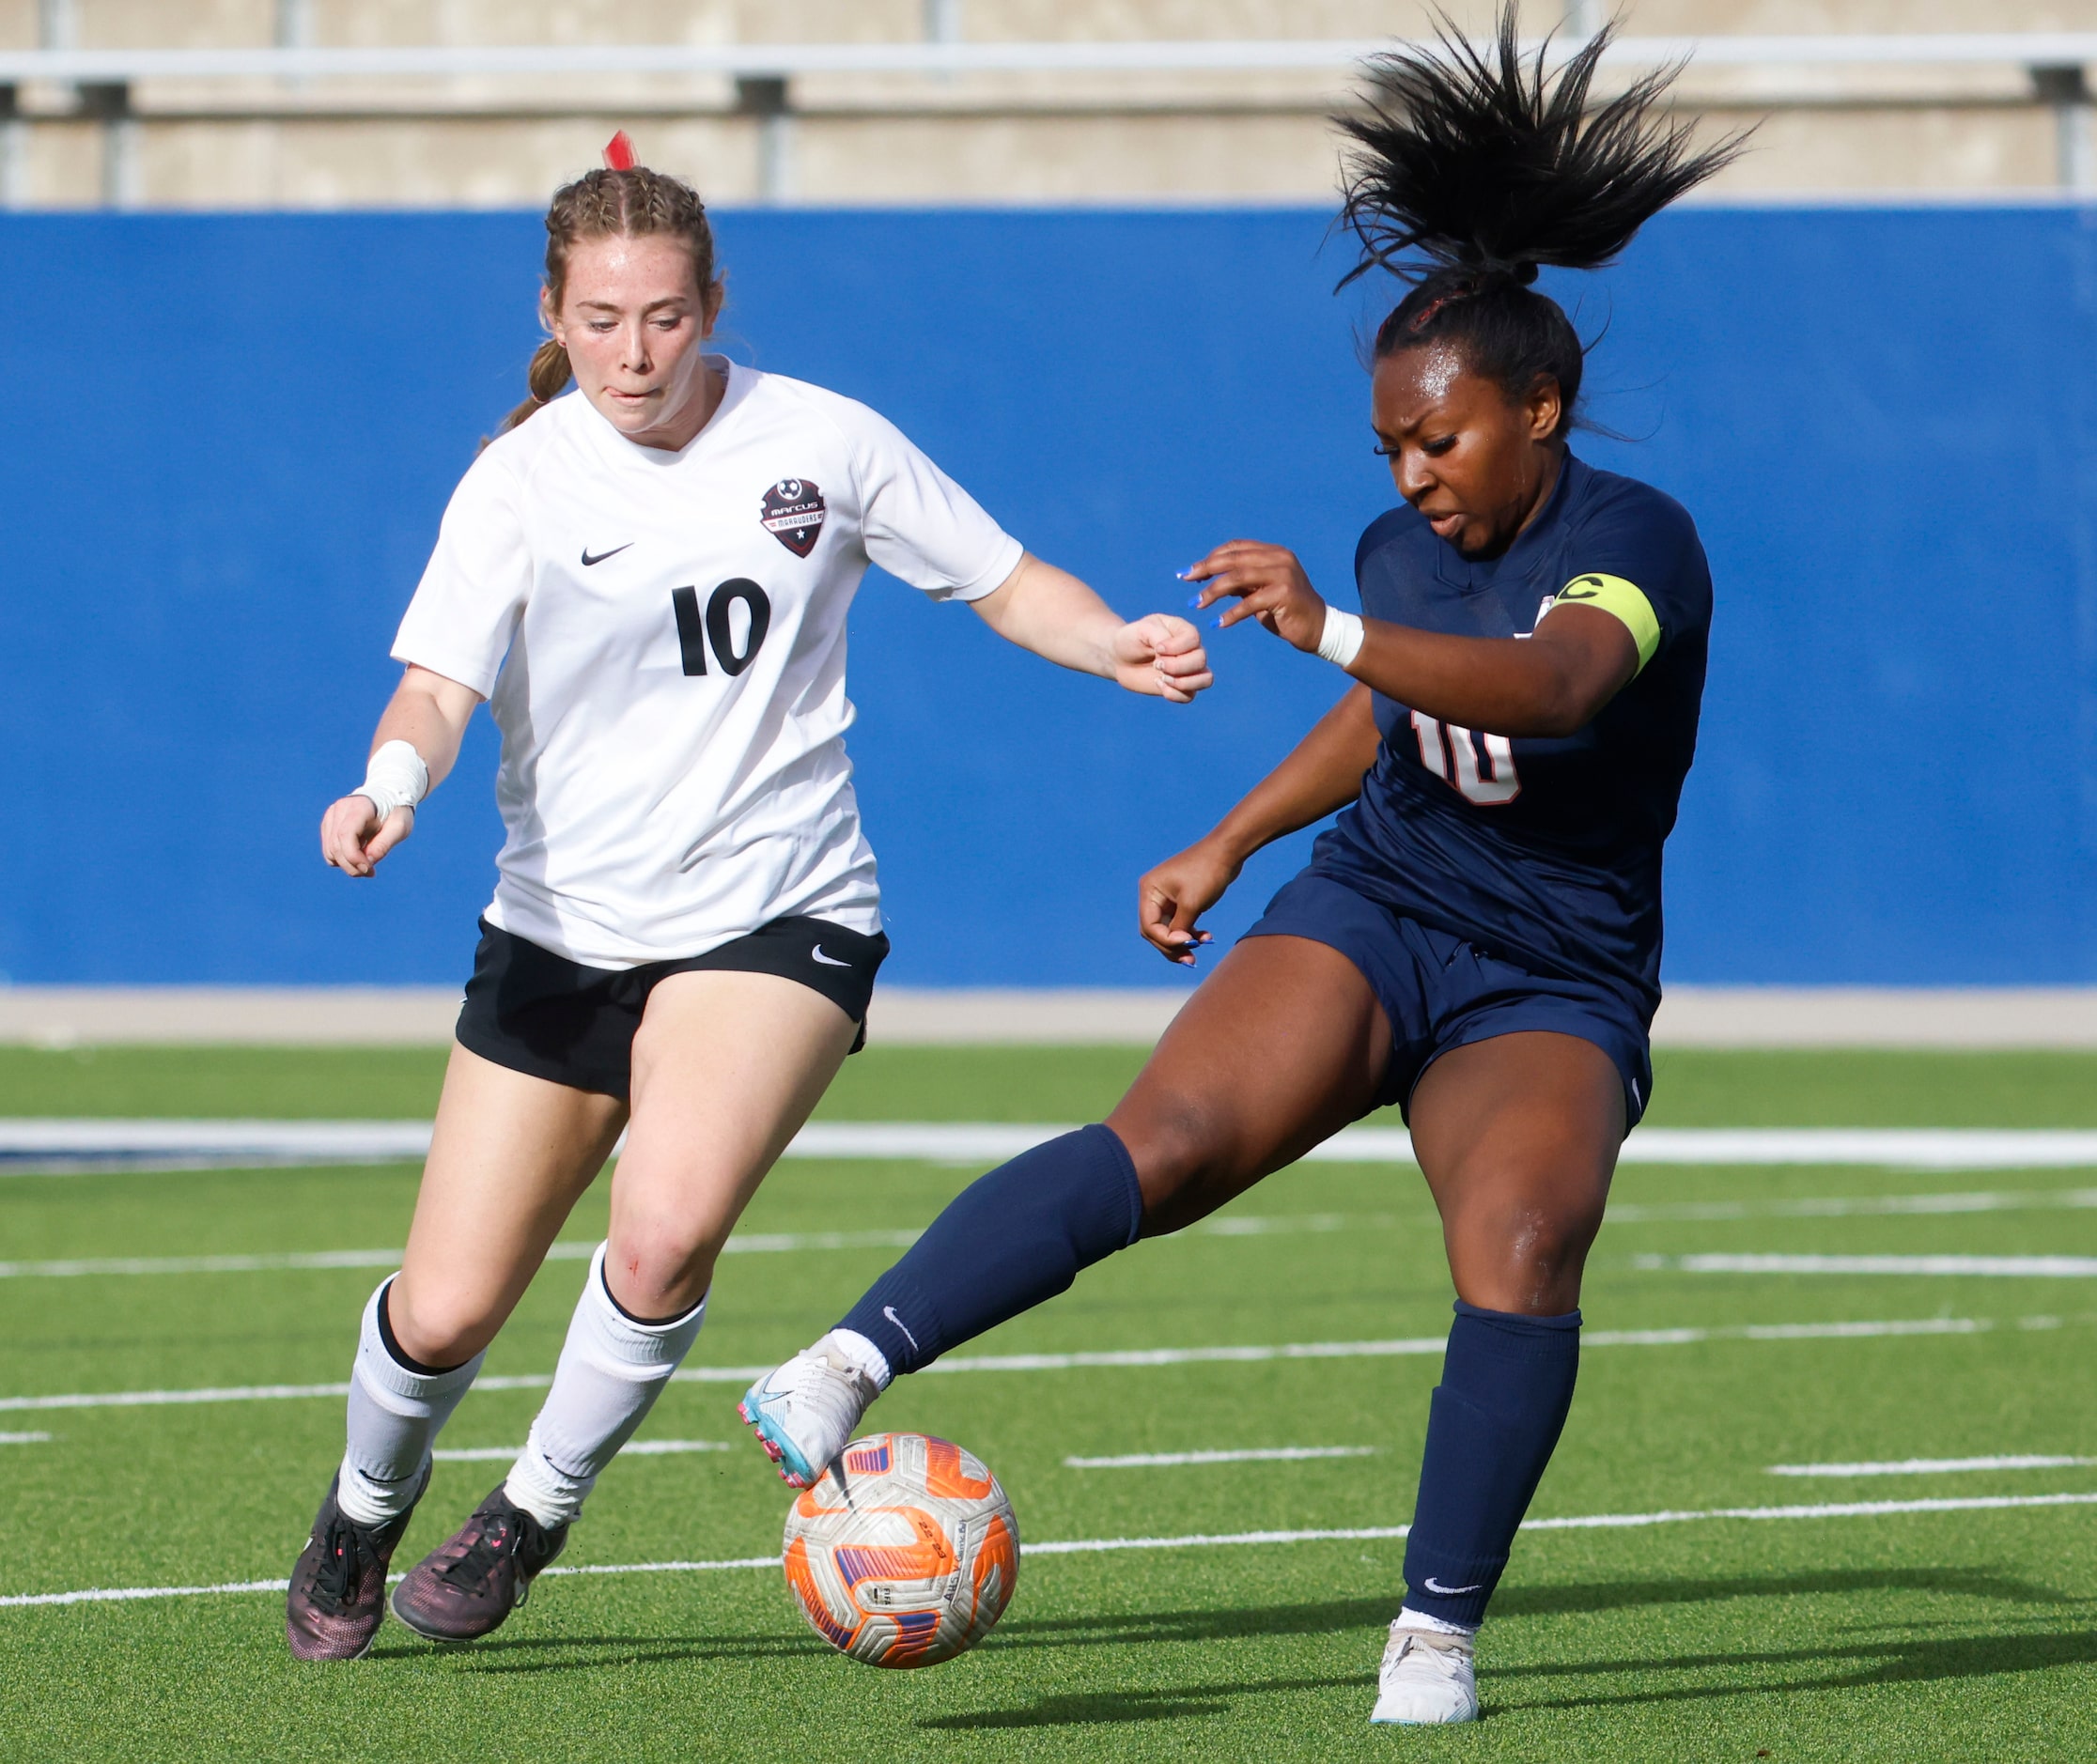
87,119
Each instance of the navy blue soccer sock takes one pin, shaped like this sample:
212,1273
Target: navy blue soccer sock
1008,1241
1506,1385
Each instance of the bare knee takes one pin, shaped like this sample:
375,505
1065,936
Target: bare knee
441,1327
1179,1146
660,1264
1525,1258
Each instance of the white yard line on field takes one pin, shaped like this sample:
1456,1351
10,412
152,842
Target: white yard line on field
1931,1466
1132,1357
55,1145
23,1439
633,1449
1225,1225
1266,1454
2023,1267
1205,1540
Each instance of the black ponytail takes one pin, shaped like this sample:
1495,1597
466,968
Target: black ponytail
1472,168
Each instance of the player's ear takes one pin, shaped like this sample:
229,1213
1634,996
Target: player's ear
551,319
1543,408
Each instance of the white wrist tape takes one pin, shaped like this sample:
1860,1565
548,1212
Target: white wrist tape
1340,641
396,778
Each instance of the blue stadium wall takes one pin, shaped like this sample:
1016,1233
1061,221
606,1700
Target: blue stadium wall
226,442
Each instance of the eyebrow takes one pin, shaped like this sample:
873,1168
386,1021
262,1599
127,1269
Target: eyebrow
612,306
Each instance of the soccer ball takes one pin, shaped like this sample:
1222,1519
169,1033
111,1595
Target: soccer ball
906,1558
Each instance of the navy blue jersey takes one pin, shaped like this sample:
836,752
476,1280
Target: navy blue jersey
1542,851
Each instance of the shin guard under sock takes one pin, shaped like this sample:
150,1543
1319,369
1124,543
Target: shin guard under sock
1007,1241
1506,1385
395,1411
613,1367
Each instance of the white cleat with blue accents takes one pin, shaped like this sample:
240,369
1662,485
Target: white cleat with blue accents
805,1412
1426,1677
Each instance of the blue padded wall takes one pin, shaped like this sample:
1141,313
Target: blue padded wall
229,439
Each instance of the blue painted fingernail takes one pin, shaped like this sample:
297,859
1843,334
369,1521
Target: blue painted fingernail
1194,600
1219,625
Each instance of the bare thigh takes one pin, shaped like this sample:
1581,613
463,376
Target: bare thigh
1517,1136
726,1068
509,1156
1279,1049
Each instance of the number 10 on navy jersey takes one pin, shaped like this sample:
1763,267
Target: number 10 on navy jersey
717,626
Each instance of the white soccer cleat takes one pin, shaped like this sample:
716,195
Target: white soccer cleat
1426,1677
805,1412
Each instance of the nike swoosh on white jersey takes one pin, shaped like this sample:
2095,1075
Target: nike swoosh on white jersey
828,961
1435,1585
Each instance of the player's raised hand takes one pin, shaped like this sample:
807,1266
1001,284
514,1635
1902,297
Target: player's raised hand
1267,583
1171,897
354,838
1161,656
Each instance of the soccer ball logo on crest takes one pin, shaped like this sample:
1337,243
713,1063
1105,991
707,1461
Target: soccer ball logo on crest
909,1557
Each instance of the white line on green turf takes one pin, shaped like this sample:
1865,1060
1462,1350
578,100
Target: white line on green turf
633,1449
1268,1454
1930,1467
23,1439
1402,1347
1205,1540
2021,1267
1226,1224
59,1142
1850,1206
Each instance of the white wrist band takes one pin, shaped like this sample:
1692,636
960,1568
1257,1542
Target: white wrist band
396,778
1340,643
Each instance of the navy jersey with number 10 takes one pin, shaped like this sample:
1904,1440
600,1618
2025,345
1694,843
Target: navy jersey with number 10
1545,852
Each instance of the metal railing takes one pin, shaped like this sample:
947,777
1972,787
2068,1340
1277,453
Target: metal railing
787,60
104,81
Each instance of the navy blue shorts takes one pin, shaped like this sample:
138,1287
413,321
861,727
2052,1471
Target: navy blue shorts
1440,993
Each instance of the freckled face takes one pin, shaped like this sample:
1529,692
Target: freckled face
1478,464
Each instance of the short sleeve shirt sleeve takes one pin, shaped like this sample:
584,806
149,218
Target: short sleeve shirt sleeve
1637,558
472,595
919,524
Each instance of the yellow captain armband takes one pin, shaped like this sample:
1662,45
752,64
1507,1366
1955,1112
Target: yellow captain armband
1622,599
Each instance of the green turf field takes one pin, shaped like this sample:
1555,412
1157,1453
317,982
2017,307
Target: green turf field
1911,1635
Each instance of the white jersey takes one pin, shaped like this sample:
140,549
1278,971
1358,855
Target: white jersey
660,636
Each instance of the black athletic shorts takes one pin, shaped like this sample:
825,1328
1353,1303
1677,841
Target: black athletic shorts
542,1014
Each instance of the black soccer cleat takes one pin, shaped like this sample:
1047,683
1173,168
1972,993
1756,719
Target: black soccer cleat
338,1586
465,1588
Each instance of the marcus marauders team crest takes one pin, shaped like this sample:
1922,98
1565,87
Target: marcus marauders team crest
794,514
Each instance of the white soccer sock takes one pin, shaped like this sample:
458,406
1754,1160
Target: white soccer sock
610,1371
393,1416
861,1353
1433,1625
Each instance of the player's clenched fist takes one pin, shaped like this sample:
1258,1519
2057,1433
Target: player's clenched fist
353,837
1162,657
1269,584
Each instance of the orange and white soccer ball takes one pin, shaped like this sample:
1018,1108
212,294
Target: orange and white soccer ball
910,1559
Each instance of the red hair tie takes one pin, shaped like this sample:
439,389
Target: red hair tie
618,153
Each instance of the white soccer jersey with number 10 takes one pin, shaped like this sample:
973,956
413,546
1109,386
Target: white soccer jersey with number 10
660,636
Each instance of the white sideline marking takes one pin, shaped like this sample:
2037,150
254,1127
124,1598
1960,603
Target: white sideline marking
1930,1467
635,1448
750,1243
23,1439
1850,1206
222,1144
2028,1267
1074,1362
1271,1454
1226,1224
1087,1546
